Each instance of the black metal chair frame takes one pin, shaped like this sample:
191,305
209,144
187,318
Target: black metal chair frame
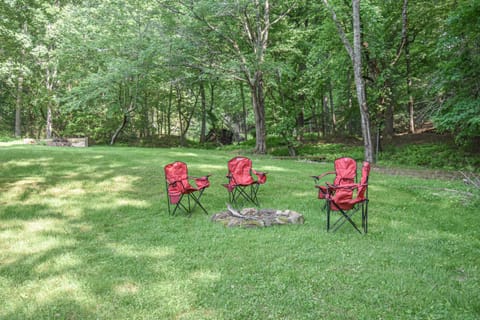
241,190
346,215
190,196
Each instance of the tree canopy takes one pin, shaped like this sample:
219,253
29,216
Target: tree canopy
129,70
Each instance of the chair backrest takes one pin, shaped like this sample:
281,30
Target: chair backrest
344,197
345,171
362,189
239,169
177,172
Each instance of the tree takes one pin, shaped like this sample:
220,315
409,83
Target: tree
111,62
355,54
241,30
457,82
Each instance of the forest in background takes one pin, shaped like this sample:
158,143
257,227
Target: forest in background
145,70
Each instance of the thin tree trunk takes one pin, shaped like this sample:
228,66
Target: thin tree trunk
259,113
355,54
180,116
49,122
203,101
408,65
244,112
325,116
49,84
332,108
360,83
18,108
119,129
169,110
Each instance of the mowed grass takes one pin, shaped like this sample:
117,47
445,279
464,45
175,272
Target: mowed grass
85,234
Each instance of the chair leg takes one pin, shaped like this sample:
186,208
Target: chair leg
328,215
196,200
168,198
344,217
179,204
249,195
366,216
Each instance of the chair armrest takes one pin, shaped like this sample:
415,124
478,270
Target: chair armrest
317,178
349,186
202,182
261,176
200,178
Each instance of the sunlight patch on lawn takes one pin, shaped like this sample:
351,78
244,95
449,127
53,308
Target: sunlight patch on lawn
135,252
36,245
434,234
126,288
270,168
313,194
26,163
62,263
212,167
49,291
22,186
184,154
31,238
118,183
205,276
65,191
131,203
179,295
42,225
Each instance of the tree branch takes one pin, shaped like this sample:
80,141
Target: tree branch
340,30
404,32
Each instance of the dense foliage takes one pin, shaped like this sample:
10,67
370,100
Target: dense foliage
135,70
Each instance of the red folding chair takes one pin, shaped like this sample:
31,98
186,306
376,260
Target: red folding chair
241,182
179,189
340,195
347,199
345,173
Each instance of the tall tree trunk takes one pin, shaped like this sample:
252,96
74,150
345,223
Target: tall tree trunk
360,83
409,90
203,102
355,53
258,103
49,122
18,107
244,112
169,111
325,117
49,85
119,129
406,43
180,115
332,107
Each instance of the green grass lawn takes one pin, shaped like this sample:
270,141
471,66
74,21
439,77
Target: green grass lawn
85,234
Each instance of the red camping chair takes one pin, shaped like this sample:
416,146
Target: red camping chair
241,181
343,199
179,188
345,173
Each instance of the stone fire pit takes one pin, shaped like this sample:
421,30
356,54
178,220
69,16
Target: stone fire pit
253,218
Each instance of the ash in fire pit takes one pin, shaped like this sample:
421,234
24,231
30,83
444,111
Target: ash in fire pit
252,217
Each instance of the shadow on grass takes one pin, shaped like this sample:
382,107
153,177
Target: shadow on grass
86,234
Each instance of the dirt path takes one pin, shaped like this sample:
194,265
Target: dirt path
420,173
